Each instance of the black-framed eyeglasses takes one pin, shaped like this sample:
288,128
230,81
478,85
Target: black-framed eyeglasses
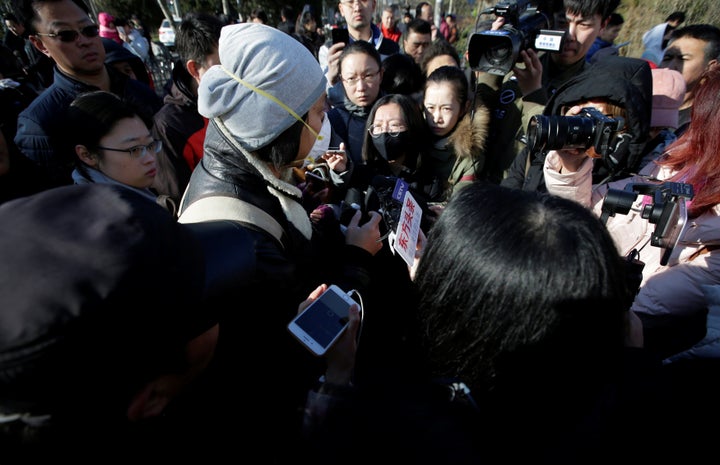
71,35
368,79
394,128
139,150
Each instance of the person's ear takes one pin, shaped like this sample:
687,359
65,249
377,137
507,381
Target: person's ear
86,156
150,401
39,45
194,69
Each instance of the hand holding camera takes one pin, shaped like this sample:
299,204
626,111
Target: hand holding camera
583,131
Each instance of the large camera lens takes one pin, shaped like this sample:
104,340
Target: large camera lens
560,132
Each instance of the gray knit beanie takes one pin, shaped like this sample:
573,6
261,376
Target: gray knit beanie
265,74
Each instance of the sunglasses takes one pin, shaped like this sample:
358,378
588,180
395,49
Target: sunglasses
71,35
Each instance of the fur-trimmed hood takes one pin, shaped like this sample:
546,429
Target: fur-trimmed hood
471,133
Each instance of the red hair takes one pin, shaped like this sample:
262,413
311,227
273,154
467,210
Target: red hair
696,154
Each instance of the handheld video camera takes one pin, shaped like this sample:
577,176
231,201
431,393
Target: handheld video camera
588,129
496,52
668,210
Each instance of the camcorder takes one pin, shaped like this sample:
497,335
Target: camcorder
668,210
590,128
496,52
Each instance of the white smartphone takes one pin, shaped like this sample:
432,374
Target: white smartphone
323,321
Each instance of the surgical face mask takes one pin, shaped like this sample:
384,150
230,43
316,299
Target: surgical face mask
321,144
390,147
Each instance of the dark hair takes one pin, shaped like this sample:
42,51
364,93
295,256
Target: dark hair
198,36
288,12
615,19
435,49
676,16
401,75
94,114
703,32
419,7
419,26
359,46
10,17
29,8
260,14
284,148
540,275
455,77
415,124
588,8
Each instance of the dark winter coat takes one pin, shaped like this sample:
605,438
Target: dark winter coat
625,82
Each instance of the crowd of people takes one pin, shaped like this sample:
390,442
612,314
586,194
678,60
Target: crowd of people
532,254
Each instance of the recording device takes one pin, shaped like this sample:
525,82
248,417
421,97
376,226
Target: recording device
323,321
590,128
496,52
667,211
340,34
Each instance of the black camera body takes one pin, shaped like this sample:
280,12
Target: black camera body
590,128
668,211
496,52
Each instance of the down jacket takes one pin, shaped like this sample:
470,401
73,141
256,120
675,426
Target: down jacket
455,160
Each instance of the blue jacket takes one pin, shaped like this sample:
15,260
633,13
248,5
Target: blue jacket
41,130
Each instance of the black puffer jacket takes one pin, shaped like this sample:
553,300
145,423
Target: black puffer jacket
255,349
624,81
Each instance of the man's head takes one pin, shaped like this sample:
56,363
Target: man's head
417,38
64,31
612,30
585,20
692,50
197,42
287,13
675,19
97,298
358,15
388,18
13,25
424,10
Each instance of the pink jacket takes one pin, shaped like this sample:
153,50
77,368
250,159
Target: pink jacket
107,27
671,289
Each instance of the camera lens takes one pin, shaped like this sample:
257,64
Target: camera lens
560,132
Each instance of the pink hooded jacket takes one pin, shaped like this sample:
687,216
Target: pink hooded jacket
107,27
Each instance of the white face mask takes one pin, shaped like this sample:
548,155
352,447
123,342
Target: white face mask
321,144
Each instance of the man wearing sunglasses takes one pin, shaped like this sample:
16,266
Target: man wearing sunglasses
64,31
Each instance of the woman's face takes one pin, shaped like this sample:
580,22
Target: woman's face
122,166
443,110
361,78
389,118
315,118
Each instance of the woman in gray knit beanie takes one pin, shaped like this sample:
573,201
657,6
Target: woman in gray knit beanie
266,106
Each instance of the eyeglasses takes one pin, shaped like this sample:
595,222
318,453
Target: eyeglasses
394,128
350,3
138,151
71,35
366,78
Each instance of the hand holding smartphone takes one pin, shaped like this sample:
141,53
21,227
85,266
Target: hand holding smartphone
320,325
340,35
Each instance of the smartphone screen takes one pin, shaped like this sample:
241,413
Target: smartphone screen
323,321
340,35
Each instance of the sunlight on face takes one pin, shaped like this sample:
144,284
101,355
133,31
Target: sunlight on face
442,108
